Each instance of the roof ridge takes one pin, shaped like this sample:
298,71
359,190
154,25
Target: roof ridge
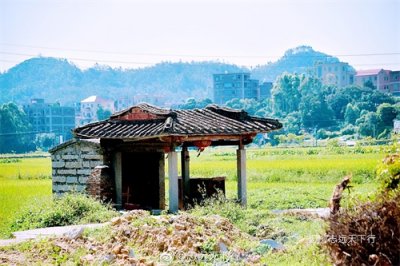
147,108
208,121
228,112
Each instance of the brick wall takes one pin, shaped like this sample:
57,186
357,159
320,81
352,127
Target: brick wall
72,163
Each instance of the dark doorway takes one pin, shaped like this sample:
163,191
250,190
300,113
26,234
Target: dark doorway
141,180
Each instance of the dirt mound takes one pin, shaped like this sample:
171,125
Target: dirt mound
141,239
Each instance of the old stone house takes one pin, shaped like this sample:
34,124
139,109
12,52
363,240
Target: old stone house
72,163
133,144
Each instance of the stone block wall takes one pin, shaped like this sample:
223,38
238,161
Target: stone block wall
72,164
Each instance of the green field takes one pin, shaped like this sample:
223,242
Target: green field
277,179
23,182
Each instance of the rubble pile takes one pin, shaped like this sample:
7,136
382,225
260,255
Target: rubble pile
137,238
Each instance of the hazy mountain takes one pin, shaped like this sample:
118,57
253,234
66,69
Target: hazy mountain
297,60
59,80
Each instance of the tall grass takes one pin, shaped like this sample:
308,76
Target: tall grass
277,178
264,167
23,181
25,168
15,194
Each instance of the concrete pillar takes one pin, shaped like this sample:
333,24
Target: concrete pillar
173,181
118,178
241,175
185,160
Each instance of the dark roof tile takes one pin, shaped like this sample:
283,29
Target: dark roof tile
153,121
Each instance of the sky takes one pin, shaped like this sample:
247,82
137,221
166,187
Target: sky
140,33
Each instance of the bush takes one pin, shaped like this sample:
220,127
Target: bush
348,130
334,146
366,235
219,205
324,134
388,172
369,233
66,210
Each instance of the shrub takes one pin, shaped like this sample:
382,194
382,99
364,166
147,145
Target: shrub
334,146
66,210
348,130
388,172
368,234
219,205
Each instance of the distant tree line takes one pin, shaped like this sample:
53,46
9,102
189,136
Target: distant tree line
301,102
305,105
16,133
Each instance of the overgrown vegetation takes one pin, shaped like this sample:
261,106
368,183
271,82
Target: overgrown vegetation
368,233
278,179
66,210
295,165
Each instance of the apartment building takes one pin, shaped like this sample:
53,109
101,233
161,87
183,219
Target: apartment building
265,90
338,74
384,80
228,86
88,109
51,118
123,103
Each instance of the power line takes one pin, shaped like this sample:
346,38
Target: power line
197,55
141,63
85,59
29,133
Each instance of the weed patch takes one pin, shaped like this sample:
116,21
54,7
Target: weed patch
66,210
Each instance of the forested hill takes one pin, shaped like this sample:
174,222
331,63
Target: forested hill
297,60
59,80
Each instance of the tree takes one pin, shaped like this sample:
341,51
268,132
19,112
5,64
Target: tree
386,114
45,141
314,109
315,112
286,95
15,131
251,106
292,123
351,114
191,103
369,84
367,124
361,98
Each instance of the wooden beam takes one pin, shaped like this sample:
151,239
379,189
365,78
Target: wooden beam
241,175
173,181
118,178
185,169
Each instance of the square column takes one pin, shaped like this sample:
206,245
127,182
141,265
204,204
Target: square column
118,179
173,181
161,180
185,169
241,175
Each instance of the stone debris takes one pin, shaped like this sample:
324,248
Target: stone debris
75,233
137,238
273,244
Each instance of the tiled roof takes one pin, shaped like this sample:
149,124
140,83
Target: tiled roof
93,142
146,121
